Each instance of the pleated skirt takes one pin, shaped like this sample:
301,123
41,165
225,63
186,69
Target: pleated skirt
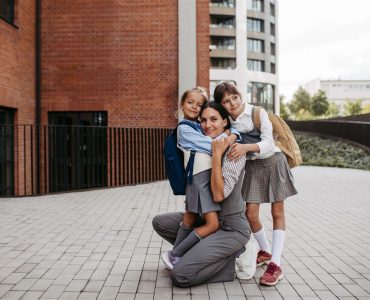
268,180
199,196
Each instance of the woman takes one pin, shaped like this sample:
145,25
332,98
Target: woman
212,259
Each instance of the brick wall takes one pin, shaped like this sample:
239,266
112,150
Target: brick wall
17,62
120,57
203,62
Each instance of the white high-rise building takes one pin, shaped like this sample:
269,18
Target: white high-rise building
244,49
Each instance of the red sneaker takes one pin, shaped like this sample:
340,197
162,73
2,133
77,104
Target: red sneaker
272,274
263,258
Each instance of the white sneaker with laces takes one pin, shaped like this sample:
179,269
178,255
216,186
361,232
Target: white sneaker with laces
245,265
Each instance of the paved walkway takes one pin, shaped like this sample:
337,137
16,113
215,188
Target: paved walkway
100,244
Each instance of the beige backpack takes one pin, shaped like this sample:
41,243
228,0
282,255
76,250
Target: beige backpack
283,136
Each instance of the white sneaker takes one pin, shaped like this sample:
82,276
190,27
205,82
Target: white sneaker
246,263
167,261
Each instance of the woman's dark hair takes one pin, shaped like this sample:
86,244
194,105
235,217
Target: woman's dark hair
221,110
226,87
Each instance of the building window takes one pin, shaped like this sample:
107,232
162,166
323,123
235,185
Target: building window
7,10
261,94
222,22
273,48
272,29
255,5
255,25
256,65
272,9
223,43
223,63
6,152
256,45
222,3
273,68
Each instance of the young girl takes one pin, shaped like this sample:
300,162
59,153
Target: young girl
267,177
198,198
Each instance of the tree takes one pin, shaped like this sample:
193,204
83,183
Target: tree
301,100
333,110
319,103
353,107
366,109
284,113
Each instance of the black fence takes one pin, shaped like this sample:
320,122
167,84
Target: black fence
71,158
356,131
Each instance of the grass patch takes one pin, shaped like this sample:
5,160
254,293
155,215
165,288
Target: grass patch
331,152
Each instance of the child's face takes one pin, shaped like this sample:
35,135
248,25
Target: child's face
192,105
233,104
212,123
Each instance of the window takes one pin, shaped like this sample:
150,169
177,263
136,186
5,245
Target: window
272,29
223,63
272,68
222,22
256,65
272,9
222,3
7,10
255,25
261,94
220,42
255,5
273,48
6,152
256,45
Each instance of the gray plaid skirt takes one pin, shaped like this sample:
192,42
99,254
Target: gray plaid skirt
268,180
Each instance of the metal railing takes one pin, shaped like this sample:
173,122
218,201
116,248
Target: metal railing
78,157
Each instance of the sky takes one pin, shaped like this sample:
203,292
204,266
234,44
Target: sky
327,39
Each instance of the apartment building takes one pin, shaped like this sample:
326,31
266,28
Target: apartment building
340,91
244,48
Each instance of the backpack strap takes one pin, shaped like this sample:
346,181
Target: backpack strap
190,167
256,116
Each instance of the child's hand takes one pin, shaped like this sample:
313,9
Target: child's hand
219,146
237,151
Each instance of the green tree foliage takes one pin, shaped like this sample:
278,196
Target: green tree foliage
353,107
301,100
319,103
284,111
366,109
333,110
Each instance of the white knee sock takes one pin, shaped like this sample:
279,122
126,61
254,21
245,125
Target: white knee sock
278,237
261,239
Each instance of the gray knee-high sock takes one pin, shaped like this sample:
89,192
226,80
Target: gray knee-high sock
192,239
182,234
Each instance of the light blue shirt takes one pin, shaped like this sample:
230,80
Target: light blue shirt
189,138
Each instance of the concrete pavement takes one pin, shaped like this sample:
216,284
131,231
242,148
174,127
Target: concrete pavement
101,245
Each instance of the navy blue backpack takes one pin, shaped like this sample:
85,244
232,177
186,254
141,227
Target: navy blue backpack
174,162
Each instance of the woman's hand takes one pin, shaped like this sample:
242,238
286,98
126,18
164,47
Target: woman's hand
237,151
219,147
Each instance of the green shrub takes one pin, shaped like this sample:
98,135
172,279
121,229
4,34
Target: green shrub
331,152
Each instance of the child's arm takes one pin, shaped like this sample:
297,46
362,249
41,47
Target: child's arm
190,139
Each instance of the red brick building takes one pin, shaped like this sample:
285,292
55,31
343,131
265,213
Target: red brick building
62,62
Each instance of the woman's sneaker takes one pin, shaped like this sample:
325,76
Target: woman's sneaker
263,258
272,274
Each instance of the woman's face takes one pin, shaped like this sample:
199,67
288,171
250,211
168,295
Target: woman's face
212,123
